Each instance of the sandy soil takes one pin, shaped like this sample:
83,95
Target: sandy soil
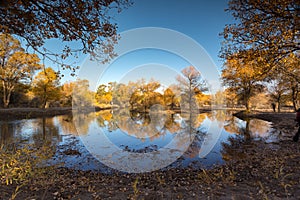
261,171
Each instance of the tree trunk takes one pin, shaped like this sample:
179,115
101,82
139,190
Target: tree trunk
278,103
247,130
7,90
247,98
294,98
247,103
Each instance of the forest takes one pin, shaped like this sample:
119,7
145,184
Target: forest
253,84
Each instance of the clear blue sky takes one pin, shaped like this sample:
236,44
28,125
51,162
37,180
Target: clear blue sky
201,20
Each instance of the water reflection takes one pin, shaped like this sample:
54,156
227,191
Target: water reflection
135,132
32,131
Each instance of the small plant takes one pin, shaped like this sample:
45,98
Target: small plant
135,189
17,165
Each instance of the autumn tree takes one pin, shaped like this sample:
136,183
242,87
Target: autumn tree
46,86
219,99
145,95
277,88
122,93
243,77
89,23
261,100
15,65
231,98
66,93
191,83
103,94
83,97
291,73
169,98
269,28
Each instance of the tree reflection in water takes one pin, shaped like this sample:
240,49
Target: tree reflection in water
140,132
156,125
243,133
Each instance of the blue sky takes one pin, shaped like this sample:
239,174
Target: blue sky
200,20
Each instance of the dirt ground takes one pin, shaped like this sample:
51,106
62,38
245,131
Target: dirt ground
27,113
261,171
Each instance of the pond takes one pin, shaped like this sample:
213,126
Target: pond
120,140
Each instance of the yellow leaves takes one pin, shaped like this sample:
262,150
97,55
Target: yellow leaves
16,65
18,165
45,85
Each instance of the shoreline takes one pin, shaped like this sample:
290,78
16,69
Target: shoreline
283,121
29,113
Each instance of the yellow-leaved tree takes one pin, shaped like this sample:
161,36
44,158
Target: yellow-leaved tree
15,65
46,86
243,76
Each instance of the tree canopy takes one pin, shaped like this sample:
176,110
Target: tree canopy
45,86
15,65
262,46
89,22
269,28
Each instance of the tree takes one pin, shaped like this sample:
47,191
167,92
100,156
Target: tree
285,80
191,84
66,93
277,89
121,94
292,76
145,95
243,77
104,94
46,86
169,98
230,98
269,28
82,98
88,22
15,65
260,101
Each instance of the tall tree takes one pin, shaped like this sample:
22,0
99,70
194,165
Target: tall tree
277,88
169,98
191,83
66,93
104,94
82,98
15,65
121,94
270,28
292,77
243,77
46,86
88,22
145,94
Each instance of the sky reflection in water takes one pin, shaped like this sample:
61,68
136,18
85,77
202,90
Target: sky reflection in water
131,133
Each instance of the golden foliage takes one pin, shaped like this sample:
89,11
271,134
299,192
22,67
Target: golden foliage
45,86
15,65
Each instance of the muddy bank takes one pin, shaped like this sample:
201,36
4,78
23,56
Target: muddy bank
262,172
284,121
29,113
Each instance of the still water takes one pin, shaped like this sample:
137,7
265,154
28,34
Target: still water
102,140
